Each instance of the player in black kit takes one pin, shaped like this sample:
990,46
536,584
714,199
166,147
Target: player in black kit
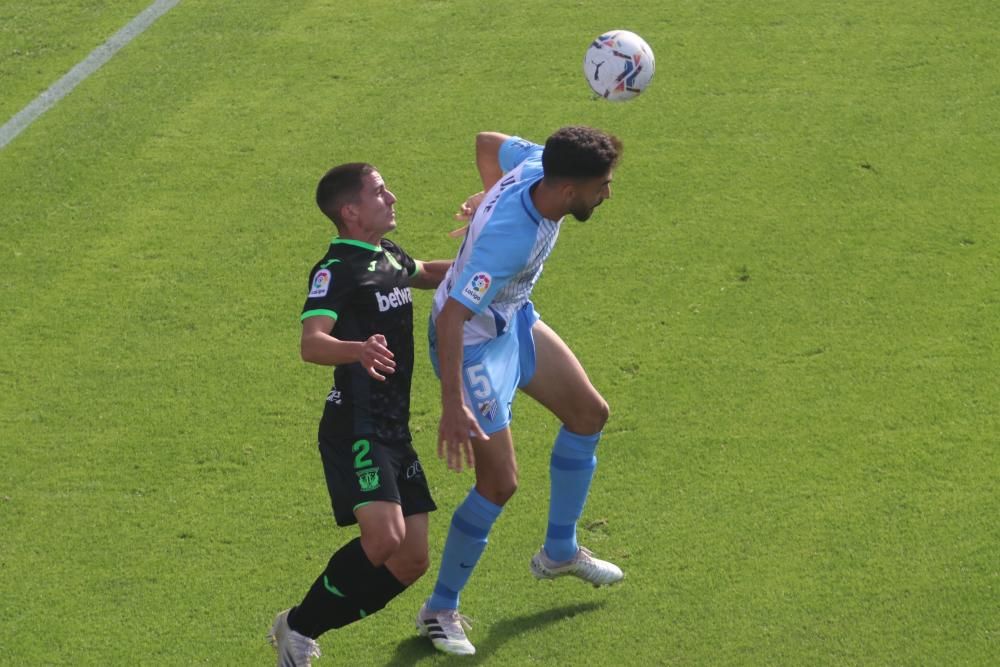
358,317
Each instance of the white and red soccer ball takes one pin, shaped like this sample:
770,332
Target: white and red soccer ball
619,65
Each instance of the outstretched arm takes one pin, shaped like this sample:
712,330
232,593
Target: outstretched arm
430,274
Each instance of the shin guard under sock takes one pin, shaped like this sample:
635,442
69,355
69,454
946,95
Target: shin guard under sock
571,469
348,590
466,541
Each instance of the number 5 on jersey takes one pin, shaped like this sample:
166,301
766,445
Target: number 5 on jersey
479,383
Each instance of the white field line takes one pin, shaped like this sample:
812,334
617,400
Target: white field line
102,54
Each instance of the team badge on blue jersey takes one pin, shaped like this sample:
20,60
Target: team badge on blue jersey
477,287
321,283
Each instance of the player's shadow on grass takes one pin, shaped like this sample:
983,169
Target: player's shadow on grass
411,650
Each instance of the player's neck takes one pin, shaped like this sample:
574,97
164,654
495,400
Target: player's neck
548,201
350,233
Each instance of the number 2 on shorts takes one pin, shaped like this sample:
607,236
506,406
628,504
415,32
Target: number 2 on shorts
361,449
478,381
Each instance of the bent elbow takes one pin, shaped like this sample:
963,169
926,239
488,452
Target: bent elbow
307,352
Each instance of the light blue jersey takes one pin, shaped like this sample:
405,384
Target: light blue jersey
505,246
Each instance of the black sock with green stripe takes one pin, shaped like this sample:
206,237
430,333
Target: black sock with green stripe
348,590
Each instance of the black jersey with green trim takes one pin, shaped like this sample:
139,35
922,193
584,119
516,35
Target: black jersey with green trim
366,289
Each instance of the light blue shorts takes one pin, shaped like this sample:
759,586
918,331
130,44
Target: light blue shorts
492,371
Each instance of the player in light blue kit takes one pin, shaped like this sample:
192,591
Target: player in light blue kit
486,341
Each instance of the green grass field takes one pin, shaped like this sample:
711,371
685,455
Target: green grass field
791,304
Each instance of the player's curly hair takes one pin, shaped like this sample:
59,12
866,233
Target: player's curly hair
580,152
341,185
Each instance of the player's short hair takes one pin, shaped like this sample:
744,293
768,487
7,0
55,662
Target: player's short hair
580,152
341,185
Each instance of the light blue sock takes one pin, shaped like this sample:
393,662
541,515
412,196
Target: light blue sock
466,541
570,470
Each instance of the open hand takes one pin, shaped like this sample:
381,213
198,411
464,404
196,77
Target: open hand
466,211
457,428
376,358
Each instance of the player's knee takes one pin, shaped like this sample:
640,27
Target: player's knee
409,565
417,566
603,414
591,417
381,545
506,492
498,491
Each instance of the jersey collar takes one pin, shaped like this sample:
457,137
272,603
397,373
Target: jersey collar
360,244
529,205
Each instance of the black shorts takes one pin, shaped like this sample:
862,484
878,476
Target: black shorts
362,470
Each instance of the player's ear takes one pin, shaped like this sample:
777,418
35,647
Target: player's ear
568,189
349,212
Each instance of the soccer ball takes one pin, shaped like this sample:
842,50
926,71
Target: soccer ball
619,65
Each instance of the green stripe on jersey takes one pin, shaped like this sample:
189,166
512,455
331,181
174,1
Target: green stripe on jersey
360,244
319,311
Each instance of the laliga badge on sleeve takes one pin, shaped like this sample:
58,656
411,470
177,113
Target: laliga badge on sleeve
320,284
477,287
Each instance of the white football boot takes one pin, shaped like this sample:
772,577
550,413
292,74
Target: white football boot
294,649
582,565
446,629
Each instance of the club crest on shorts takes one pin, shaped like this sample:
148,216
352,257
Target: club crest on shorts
488,409
369,479
477,287
320,284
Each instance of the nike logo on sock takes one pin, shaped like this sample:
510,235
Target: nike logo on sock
464,566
